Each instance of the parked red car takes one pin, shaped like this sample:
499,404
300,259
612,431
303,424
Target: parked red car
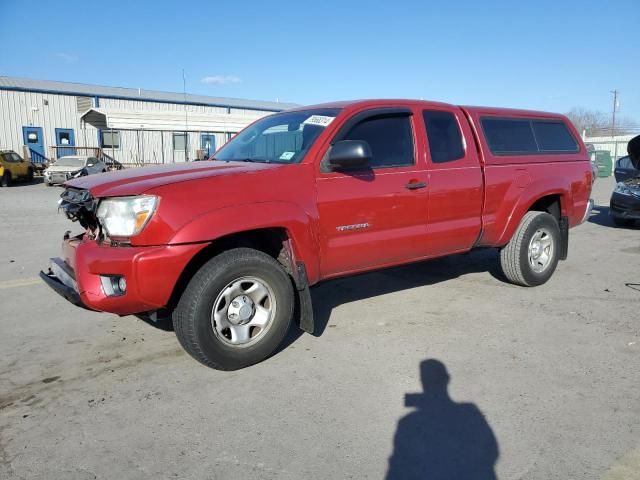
227,247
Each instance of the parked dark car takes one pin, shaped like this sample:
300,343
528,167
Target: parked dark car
625,202
624,169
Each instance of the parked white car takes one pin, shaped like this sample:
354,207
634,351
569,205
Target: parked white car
66,168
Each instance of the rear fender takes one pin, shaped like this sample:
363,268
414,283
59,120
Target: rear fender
254,216
531,194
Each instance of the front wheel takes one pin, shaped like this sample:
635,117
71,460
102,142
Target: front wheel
5,181
531,256
236,310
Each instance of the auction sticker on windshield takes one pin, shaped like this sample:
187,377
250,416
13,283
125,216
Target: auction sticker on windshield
320,120
287,155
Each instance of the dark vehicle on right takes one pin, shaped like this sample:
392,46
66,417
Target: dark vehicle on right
624,169
624,207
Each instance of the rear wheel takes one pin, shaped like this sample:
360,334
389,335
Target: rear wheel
531,256
6,179
236,310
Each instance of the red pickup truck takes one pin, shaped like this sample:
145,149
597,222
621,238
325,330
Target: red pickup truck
229,247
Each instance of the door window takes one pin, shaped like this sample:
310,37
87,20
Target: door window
64,138
390,139
443,133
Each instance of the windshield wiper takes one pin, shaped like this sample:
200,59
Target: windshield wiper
252,160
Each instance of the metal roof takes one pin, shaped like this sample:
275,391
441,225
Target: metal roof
161,120
68,88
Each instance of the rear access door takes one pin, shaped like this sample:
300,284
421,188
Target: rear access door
455,181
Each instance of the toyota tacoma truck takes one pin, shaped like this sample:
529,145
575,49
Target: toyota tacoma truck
228,248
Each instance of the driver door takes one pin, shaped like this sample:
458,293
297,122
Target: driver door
374,216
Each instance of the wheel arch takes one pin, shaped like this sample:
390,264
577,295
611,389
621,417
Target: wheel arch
274,241
552,197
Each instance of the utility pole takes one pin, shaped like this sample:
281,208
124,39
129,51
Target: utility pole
186,118
615,106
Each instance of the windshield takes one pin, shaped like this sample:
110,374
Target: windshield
280,138
70,162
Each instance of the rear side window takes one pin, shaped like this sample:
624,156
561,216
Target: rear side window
513,136
389,137
553,137
443,133
509,135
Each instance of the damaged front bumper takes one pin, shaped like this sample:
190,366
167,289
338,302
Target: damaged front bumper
61,279
83,275
624,207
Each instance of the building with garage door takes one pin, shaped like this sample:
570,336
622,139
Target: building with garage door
44,120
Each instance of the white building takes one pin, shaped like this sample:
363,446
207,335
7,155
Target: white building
615,145
40,118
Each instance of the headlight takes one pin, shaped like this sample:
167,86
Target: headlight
622,189
126,216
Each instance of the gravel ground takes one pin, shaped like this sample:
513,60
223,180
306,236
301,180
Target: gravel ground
542,382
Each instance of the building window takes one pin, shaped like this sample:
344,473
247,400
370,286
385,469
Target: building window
180,141
110,139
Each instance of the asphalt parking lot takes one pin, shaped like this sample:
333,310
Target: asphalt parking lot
543,382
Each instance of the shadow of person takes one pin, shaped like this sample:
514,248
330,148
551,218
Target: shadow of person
442,439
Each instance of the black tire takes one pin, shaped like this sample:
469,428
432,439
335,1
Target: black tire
514,257
6,179
192,318
622,222
30,175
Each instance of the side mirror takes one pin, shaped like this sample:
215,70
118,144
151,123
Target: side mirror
348,154
90,164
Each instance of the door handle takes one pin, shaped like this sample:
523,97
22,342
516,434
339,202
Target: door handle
415,185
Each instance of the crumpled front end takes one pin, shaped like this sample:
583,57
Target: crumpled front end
97,274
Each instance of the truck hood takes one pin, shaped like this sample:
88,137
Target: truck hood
136,181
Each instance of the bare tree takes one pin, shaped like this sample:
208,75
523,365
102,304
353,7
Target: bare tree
589,120
596,123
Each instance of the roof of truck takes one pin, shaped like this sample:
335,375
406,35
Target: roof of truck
410,102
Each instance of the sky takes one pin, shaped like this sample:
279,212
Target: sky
544,55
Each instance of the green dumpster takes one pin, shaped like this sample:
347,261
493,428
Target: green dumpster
604,163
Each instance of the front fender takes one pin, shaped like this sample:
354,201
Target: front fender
513,212
241,218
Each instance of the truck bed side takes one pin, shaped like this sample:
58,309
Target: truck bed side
516,183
